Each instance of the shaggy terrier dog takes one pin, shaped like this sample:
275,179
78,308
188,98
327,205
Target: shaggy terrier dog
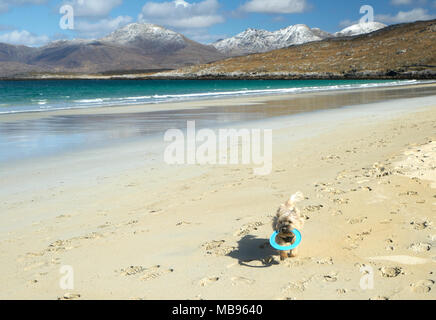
288,218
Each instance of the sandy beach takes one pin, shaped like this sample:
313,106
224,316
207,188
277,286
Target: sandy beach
132,227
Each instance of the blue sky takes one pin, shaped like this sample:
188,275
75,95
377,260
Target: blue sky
36,22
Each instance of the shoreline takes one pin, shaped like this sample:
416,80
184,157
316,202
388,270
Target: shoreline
424,75
197,103
37,135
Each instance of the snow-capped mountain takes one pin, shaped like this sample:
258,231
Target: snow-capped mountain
137,33
255,41
297,34
249,41
258,41
360,28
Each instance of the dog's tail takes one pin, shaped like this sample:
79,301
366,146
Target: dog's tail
295,198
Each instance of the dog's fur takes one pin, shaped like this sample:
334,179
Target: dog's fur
288,218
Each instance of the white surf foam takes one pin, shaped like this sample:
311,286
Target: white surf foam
132,100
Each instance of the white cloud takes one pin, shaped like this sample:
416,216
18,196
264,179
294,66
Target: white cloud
181,14
5,5
406,16
92,18
401,2
275,6
24,37
408,2
100,28
93,8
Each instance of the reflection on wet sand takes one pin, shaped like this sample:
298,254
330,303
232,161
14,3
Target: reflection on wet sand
27,137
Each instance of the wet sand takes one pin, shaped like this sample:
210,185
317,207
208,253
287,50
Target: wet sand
38,134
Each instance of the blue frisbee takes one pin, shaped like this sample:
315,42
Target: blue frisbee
274,244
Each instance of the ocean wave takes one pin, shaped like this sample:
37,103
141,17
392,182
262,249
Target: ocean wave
162,98
97,100
284,90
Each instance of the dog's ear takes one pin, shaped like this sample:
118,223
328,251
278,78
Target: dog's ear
295,198
275,222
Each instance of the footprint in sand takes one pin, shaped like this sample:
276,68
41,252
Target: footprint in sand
132,270
331,277
207,281
146,273
379,298
248,228
341,291
386,221
331,191
355,240
65,245
63,216
155,272
313,208
299,286
391,272
341,201
420,247
421,224
390,245
105,225
70,296
328,260
357,220
217,248
296,262
59,245
335,212
131,222
242,280
182,223
36,265
330,157
34,254
408,193
422,286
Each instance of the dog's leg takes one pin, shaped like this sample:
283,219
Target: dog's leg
293,253
283,254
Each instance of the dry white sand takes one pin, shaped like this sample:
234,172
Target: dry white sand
201,232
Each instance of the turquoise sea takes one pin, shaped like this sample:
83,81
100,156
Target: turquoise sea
24,96
39,133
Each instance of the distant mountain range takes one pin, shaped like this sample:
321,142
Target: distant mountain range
142,48
403,51
256,41
135,47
